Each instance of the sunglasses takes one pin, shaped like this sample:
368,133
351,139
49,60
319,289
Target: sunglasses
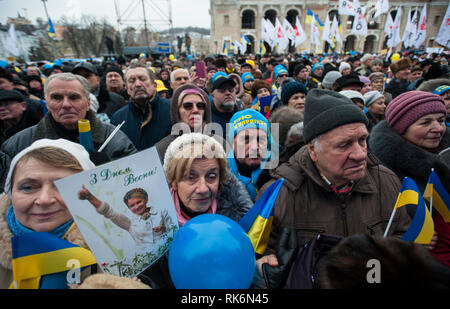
282,75
189,105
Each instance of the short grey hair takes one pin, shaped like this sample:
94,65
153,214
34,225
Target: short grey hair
316,143
172,74
68,77
135,65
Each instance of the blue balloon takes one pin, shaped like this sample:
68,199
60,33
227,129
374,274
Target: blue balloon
211,252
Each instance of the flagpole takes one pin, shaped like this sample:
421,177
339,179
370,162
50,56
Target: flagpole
53,41
392,216
431,197
390,221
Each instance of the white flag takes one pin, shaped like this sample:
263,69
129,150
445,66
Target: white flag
395,36
359,23
281,38
315,33
381,7
300,35
268,32
11,41
239,47
288,30
443,36
421,28
410,29
346,7
335,30
326,34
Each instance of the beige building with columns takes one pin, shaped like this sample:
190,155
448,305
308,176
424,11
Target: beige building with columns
231,18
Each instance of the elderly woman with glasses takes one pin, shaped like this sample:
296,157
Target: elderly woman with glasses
190,112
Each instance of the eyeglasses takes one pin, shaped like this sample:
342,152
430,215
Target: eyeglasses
189,105
282,75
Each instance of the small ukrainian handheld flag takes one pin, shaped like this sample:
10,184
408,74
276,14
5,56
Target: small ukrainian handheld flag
437,196
224,48
262,48
257,222
421,228
50,29
40,260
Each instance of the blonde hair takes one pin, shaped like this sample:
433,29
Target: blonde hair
187,148
53,156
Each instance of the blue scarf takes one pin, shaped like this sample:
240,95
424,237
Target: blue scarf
248,182
18,229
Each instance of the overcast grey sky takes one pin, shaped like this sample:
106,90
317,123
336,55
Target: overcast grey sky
184,12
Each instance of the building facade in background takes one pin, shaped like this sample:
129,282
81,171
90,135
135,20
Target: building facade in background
232,18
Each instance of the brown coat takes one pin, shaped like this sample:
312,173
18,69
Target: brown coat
307,203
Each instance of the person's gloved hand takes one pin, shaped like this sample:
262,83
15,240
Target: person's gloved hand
99,158
275,276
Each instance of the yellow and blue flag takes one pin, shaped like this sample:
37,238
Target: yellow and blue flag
257,222
437,196
50,29
421,228
40,260
224,48
262,48
310,15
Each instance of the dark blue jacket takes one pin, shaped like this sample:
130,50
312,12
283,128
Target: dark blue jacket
147,135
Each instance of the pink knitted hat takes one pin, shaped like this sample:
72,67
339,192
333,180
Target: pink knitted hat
405,109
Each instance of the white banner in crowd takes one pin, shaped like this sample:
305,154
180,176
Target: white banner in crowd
346,8
326,34
409,34
381,7
360,23
421,28
335,30
300,35
268,32
315,33
392,28
281,38
443,36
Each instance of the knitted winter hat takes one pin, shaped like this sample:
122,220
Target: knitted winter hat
330,78
343,66
326,110
290,89
406,108
352,94
371,96
247,119
74,149
375,76
280,69
114,68
193,145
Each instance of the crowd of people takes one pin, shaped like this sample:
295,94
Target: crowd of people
341,130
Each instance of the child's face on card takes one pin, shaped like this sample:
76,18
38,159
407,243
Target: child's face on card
137,205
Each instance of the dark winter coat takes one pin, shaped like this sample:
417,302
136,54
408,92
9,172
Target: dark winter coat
120,145
142,132
308,204
401,156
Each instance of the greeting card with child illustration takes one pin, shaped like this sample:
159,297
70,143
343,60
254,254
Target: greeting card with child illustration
124,210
